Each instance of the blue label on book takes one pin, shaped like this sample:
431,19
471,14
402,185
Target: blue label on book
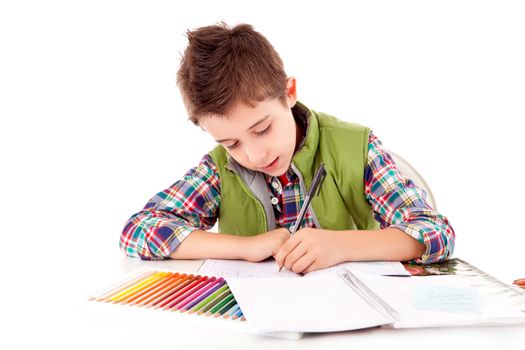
447,299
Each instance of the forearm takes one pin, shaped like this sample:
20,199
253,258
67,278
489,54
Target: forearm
390,244
202,245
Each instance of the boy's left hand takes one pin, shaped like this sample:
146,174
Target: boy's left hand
311,249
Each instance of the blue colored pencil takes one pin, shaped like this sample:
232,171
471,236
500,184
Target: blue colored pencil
237,314
233,310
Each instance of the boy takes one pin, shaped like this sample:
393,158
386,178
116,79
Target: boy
234,87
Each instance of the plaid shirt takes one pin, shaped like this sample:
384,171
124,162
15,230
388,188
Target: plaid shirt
193,203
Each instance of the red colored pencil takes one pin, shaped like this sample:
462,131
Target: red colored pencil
183,282
183,294
187,285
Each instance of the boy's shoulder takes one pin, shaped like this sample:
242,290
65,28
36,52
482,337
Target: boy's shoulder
327,121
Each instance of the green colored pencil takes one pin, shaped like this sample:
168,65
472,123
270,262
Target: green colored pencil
221,304
210,298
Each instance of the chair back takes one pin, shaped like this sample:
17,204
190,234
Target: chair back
410,172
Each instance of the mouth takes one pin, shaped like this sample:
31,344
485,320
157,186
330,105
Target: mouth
272,165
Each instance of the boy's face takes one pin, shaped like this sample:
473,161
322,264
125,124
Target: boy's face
261,138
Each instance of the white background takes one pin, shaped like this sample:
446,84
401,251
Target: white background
92,123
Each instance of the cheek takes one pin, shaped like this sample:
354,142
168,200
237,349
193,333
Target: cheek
238,155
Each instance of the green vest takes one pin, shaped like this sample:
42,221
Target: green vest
245,207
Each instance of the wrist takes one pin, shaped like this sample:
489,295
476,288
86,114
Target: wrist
243,246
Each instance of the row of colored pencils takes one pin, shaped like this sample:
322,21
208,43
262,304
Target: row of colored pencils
173,291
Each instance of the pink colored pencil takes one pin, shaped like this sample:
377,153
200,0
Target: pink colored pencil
206,286
187,285
185,293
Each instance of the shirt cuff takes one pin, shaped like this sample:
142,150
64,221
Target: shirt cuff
437,245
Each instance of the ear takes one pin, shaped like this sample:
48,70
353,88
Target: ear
291,91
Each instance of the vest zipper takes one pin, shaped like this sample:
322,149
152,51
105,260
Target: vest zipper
249,193
303,189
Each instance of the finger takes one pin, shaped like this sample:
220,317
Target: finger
312,267
285,249
294,255
302,264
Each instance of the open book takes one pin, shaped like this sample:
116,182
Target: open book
346,297
350,300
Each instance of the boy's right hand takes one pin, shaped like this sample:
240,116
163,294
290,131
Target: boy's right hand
260,247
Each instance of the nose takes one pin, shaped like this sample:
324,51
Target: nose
256,155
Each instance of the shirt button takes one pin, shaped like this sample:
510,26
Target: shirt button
275,185
274,200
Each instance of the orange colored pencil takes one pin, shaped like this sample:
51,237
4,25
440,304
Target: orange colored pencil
165,291
163,300
165,282
185,292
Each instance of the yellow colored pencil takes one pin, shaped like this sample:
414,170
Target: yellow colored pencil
128,292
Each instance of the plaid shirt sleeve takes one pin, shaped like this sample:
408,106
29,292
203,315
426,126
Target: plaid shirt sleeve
170,216
398,202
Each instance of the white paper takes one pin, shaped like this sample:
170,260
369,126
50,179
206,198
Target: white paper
269,268
401,295
317,304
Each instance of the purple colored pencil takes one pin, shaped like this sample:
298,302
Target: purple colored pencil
186,292
216,285
209,283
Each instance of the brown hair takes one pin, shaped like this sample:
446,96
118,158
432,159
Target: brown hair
222,66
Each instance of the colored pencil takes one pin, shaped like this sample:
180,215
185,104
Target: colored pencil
222,287
121,286
226,307
148,289
180,283
179,292
175,291
214,286
169,284
220,305
184,293
232,311
137,287
238,314
215,300
167,281
196,294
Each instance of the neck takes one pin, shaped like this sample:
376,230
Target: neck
298,134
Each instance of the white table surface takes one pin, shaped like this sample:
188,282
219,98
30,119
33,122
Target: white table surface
49,317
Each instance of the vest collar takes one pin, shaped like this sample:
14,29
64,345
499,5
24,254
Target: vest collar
303,159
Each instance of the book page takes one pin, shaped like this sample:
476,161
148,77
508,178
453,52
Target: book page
442,300
269,268
316,304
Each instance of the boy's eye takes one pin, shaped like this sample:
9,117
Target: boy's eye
232,146
263,132
258,133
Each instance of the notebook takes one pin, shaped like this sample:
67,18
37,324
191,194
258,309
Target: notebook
348,300
346,297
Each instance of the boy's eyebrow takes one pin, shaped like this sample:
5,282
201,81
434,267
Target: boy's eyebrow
251,127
